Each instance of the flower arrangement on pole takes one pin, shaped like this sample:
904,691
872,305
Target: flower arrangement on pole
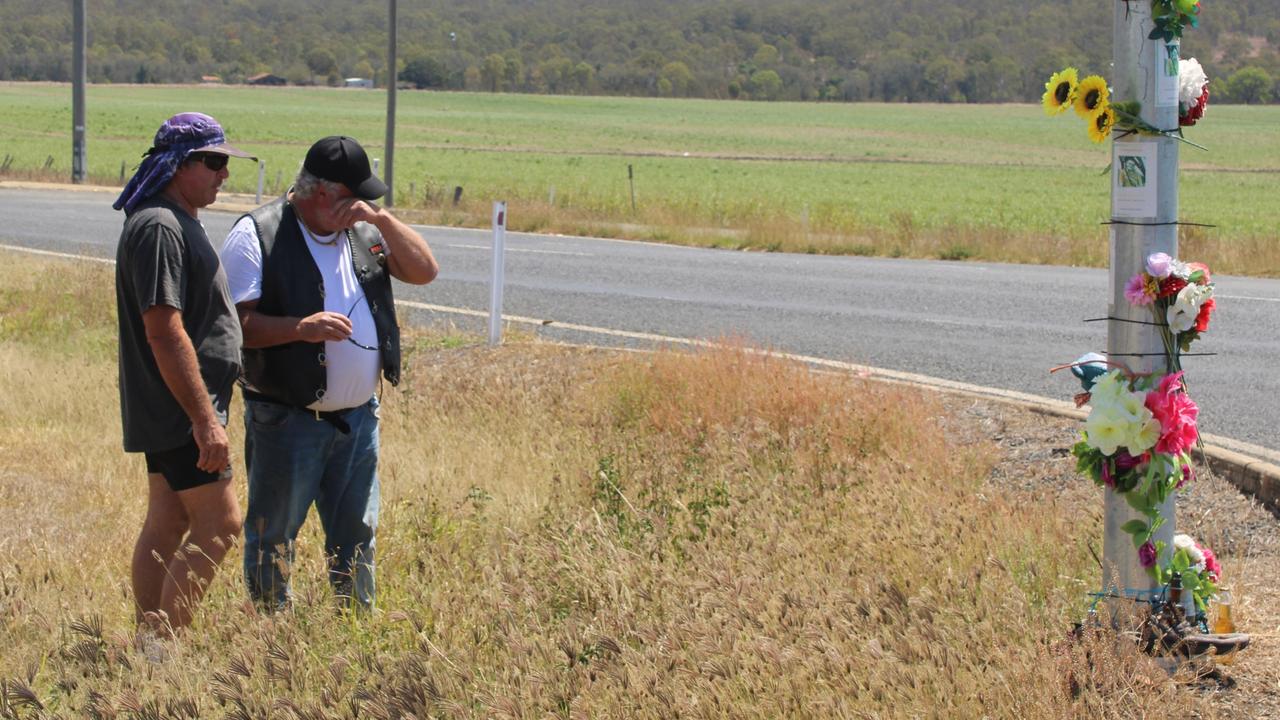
1180,296
1092,98
1137,441
1092,101
1138,436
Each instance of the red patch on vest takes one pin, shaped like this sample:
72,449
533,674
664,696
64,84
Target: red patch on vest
375,248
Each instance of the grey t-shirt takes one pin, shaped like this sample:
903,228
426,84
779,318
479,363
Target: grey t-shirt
164,258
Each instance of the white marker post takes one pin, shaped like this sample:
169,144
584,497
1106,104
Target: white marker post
262,177
1147,217
497,278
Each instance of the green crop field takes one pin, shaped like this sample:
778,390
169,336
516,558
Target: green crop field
1000,182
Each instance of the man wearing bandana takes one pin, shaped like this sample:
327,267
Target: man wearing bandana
310,274
179,356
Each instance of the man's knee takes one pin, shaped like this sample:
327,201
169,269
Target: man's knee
165,529
230,526
225,526
216,531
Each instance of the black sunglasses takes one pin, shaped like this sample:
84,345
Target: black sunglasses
213,161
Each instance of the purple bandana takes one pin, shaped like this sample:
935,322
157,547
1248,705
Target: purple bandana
177,138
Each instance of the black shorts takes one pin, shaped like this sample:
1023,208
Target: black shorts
178,466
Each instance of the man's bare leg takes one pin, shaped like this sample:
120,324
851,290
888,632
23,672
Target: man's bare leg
215,522
162,532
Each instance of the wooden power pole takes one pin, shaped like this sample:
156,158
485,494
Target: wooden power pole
1144,214
389,151
79,153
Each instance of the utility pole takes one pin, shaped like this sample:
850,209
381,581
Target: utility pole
79,155
1144,221
390,149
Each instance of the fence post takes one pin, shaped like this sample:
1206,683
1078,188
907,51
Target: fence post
631,179
262,176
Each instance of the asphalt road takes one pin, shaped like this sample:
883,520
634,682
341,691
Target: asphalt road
988,324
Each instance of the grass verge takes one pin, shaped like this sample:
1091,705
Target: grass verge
565,533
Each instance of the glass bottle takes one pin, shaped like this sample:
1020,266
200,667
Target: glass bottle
1222,622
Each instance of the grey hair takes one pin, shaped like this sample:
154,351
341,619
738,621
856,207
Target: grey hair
307,183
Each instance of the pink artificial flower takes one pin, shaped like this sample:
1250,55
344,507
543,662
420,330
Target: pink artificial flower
1211,565
1138,291
1159,265
1147,554
1176,414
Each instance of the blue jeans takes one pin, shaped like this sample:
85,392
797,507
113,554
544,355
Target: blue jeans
294,460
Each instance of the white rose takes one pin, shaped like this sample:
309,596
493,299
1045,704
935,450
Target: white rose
1185,542
1182,314
1191,81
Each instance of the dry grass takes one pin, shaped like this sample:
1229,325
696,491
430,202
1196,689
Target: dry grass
566,533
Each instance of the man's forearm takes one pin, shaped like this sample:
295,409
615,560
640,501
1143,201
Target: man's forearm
267,330
411,260
260,331
176,359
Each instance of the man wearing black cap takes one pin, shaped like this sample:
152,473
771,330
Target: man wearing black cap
310,274
179,357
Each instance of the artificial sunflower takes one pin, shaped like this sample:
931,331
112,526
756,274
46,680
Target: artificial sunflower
1091,95
1100,125
1060,91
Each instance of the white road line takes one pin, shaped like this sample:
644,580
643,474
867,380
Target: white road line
1247,297
51,253
523,250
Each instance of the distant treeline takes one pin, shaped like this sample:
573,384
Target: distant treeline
840,50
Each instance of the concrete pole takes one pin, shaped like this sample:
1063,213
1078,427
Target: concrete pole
388,175
1138,61
79,151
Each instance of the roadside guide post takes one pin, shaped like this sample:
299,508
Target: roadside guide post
496,279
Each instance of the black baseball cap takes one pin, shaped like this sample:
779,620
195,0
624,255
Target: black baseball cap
340,159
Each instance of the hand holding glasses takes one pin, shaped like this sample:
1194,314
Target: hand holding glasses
351,339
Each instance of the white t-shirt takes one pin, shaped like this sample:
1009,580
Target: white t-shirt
351,372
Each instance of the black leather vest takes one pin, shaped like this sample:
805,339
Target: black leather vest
294,373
